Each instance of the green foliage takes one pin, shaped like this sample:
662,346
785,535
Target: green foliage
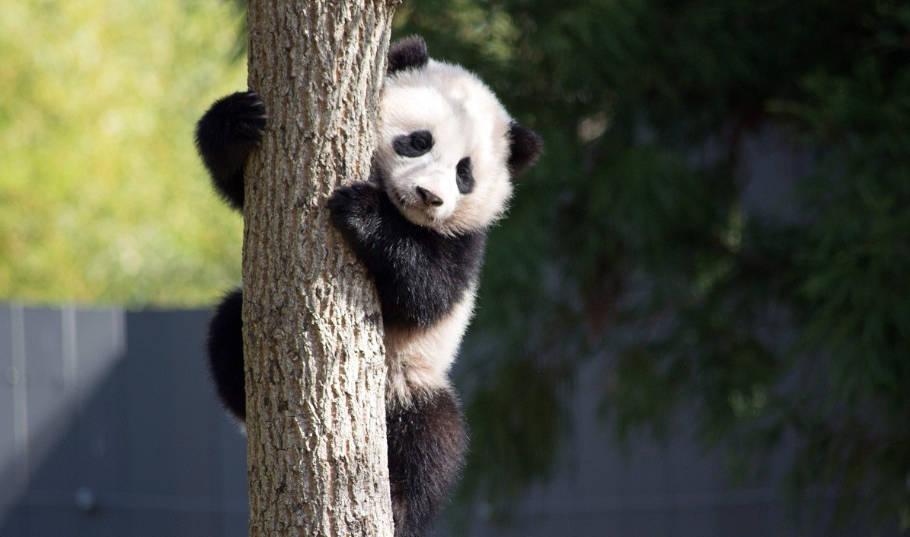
633,236
511,444
103,197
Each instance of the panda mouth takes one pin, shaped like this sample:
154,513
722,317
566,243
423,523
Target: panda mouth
411,205
415,211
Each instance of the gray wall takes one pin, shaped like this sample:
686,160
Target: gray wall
109,427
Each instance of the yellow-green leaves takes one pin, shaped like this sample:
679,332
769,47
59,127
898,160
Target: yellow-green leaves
102,198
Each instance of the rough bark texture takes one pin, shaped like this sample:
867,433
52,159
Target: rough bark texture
315,371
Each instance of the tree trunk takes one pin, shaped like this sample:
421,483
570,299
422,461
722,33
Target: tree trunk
315,371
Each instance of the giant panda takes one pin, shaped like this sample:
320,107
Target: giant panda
442,175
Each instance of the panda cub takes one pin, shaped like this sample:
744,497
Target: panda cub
447,151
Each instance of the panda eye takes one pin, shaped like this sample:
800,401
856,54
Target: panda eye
413,145
464,176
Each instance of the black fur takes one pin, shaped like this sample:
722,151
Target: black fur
464,176
419,274
413,145
427,443
225,346
408,53
525,146
225,136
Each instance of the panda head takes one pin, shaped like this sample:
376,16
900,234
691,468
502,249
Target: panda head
447,149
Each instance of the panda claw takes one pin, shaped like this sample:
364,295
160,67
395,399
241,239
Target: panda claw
353,207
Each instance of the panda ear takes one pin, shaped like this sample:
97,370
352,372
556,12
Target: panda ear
525,146
407,53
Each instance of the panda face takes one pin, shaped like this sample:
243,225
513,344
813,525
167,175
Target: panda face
444,148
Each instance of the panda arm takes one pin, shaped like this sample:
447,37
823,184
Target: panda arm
225,136
419,274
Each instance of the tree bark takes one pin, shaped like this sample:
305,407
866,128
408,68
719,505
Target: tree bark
315,371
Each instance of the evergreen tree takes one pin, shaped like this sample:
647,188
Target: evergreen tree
636,234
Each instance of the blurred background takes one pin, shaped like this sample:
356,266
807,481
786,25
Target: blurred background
695,321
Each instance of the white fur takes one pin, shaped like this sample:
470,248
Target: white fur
466,120
419,359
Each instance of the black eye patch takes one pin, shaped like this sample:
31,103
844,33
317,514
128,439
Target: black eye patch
465,176
413,145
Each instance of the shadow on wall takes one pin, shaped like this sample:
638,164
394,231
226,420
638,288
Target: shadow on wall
109,427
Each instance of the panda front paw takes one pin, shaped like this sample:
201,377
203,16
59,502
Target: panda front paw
225,136
355,210
246,116
239,118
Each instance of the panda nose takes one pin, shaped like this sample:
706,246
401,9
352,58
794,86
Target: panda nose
428,197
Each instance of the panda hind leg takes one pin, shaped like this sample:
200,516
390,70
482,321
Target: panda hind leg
225,350
426,439
427,442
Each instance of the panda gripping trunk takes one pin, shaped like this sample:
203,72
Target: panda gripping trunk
441,176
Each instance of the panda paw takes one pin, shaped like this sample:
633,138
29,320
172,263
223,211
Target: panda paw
238,118
248,117
355,209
